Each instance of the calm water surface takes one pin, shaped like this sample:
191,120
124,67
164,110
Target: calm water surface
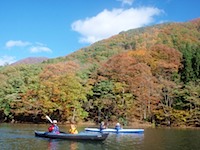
21,137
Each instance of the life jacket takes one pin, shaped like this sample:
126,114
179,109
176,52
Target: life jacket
73,131
54,129
51,128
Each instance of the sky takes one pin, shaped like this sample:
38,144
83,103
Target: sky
56,28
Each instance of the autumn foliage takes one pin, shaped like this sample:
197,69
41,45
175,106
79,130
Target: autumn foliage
149,74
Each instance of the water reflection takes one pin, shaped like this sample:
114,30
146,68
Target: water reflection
168,139
56,144
52,144
125,141
73,145
130,136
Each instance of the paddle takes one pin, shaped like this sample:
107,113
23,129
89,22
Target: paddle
49,119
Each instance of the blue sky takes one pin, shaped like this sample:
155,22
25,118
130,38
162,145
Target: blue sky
54,28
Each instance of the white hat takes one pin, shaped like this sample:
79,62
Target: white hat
54,121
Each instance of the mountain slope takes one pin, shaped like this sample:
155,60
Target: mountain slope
31,60
171,34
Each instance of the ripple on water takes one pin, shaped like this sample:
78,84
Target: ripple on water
124,141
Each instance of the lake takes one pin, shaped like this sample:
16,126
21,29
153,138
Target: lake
21,137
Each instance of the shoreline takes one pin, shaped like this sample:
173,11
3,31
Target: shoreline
136,125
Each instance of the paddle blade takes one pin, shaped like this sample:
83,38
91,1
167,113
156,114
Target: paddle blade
49,119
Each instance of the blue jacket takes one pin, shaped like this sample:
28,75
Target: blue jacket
117,127
55,129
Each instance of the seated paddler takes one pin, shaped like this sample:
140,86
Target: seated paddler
102,126
54,127
118,126
73,129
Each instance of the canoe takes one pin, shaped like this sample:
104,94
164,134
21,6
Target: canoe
115,131
79,136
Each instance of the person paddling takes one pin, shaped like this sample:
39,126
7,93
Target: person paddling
118,126
54,127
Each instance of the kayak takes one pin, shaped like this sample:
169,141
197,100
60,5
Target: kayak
67,136
115,130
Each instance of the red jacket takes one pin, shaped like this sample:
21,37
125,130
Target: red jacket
51,128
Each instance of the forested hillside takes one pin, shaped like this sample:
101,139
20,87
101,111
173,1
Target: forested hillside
149,74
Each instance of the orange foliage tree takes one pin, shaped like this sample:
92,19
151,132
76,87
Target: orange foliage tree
125,68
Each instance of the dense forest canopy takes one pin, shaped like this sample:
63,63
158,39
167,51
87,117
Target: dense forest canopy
149,74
